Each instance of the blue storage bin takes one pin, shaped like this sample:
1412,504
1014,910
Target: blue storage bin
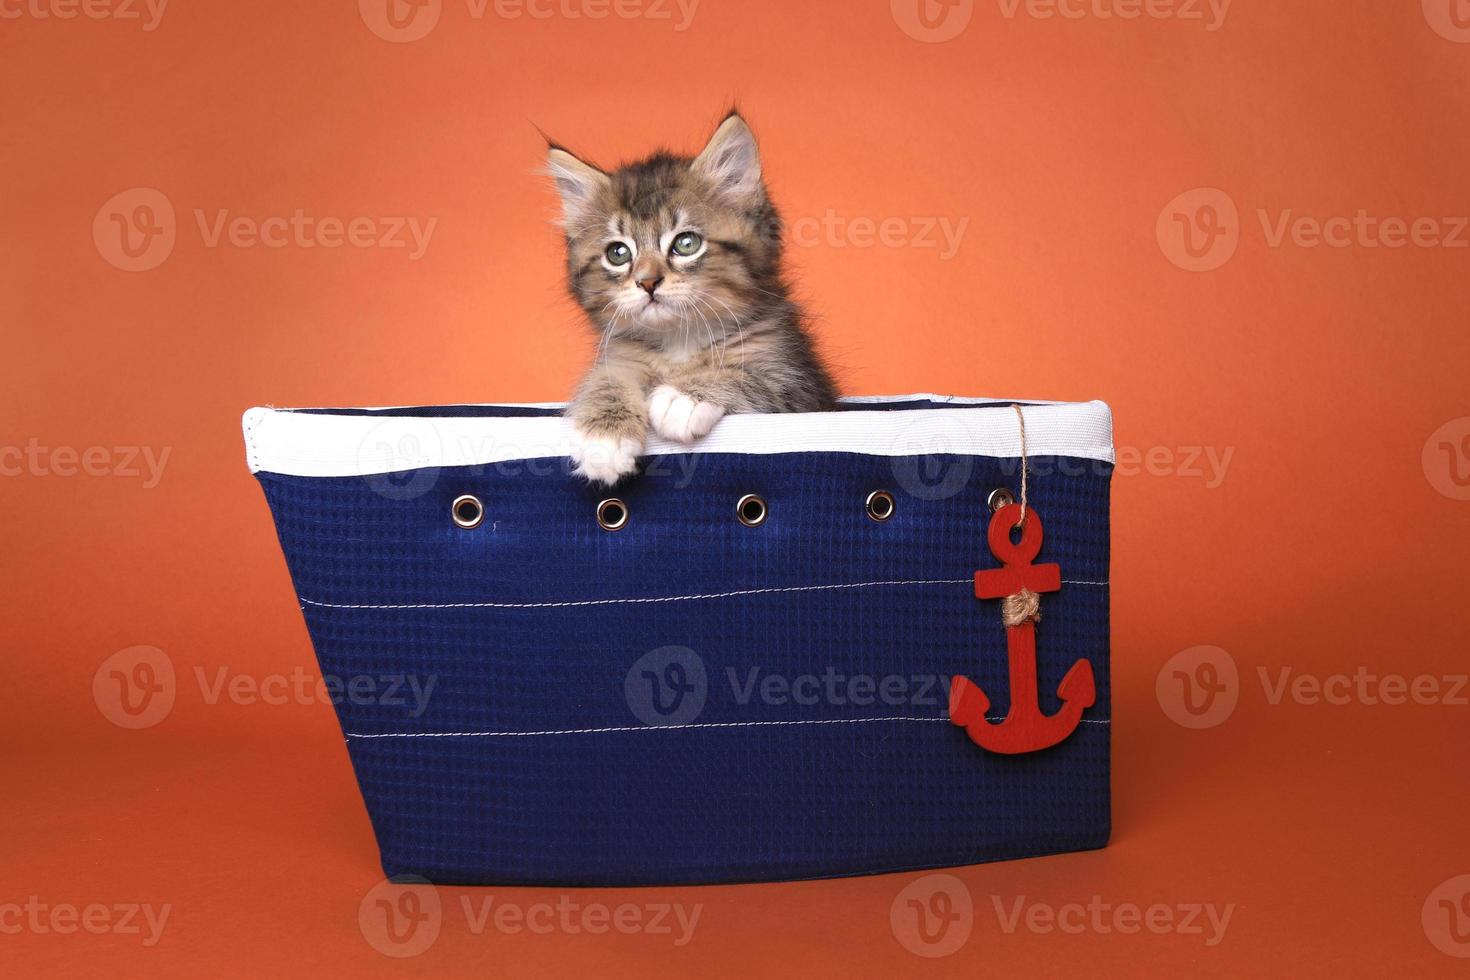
712,691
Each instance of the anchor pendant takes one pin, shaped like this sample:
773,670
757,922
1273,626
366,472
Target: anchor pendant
1025,728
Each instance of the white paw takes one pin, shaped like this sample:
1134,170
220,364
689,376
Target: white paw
674,415
604,459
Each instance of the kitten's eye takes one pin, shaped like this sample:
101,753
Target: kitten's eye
687,243
619,254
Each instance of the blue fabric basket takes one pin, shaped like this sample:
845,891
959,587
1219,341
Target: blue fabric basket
537,700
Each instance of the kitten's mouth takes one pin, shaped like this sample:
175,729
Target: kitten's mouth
655,310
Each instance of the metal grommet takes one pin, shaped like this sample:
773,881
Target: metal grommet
751,510
612,514
999,497
467,511
880,505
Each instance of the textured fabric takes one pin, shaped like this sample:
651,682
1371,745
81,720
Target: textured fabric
534,762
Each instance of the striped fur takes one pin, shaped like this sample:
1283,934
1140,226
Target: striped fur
682,339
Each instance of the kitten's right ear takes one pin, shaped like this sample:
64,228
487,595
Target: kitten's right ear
578,184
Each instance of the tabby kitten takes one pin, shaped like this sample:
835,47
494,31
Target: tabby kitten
677,263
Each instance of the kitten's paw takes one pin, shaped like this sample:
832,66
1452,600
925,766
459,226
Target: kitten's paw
674,415
604,459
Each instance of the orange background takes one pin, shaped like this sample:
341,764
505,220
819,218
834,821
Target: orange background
1325,547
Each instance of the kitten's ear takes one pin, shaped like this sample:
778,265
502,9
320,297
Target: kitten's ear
732,161
578,184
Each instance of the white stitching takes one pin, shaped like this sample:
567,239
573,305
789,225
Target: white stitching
671,598
672,728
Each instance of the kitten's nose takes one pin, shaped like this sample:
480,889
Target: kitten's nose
649,285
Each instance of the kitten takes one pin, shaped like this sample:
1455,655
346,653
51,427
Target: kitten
677,263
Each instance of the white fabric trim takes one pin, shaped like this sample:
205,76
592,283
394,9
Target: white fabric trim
296,444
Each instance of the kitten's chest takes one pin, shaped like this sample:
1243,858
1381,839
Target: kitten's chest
682,353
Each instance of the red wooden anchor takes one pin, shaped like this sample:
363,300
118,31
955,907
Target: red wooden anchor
1025,728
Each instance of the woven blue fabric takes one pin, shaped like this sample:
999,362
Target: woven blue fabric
538,764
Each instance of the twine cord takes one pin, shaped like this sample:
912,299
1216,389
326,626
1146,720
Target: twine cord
1019,608
1024,606
1021,418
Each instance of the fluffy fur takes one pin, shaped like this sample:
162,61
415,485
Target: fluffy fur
677,263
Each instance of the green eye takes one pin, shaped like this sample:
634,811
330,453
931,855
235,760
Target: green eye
687,243
619,254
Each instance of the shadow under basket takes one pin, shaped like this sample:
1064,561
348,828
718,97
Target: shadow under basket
733,666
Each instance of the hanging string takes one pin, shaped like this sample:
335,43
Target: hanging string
1024,605
1021,417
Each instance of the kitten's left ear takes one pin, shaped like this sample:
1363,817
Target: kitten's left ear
578,184
732,162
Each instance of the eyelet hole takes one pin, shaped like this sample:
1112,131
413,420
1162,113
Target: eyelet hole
751,510
880,505
612,514
999,497
467,511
